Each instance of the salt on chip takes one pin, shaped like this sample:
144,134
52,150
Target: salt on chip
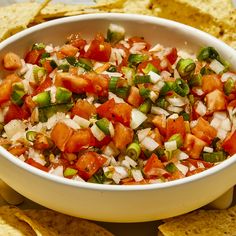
66,225
16,17
13,222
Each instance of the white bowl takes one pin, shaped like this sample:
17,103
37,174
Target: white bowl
118,203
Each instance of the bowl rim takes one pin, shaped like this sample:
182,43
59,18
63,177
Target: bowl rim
106,187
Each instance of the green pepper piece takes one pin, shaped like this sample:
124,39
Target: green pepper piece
229,86
195,81
38,46
178,138
162,102
63,95
185,67
135,59
70,172
181,87
115,33
133,151
71,60
214,156
122,92
46,112
103,124
18,92
144,92
142,79
168,86
31,135
170,167
45,55
42,99
146,106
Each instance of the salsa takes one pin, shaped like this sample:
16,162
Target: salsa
118,110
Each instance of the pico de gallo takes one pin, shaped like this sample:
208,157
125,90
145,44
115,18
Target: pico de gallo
118,110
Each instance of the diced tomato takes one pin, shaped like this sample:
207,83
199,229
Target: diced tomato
175,126
60,135
134,97
47,66
154,62
99,83
105,109
157,136
193,146
103,142
123,136
229,143
160,122
137,39
81,139
153,166
204,131
196,163
14,112
172,56
44,85
83,109
99,51
75,83
89,163
17,150
32,162
196,171
69,50
121,112
215,101
211,82
33,56
79,43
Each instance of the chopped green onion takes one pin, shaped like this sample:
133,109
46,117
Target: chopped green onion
115,33
229,86
42,99
122,92
150,67
64,67
195,81
185,115
142,79
160,151
53,64
144,92
45,55
38,46
214,156
215,144
181,87
178,138
146,106
185,67
71,60
112,83
98,177
63,95
170,167
112,69
191,99
128,74
162,102
133,151
70,172
135,59
168,86
85,64
103,124
38,73
206,71
18,92
31,135
46,112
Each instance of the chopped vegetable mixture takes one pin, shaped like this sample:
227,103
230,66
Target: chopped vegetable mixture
116,110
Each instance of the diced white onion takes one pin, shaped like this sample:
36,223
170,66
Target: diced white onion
221,134
176,74
174,109
117,99
153,96
59,116
177,101
35,155
156,48
220,115
154,77
137,175
159,111
137,47
228,75
111,129
111,150
182,168
58,171
142,133
137,118
181,155
226,124
110,74
158,86
216,123
198,91
208,149
71,123
149,143
200,165
193,123
97,133
192,167
216,66
13,127
170,145
81,121
130,161
173,116
49,48
201,109
165,74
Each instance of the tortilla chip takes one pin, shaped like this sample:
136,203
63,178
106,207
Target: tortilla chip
65,225
202,222
16,17
14,222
